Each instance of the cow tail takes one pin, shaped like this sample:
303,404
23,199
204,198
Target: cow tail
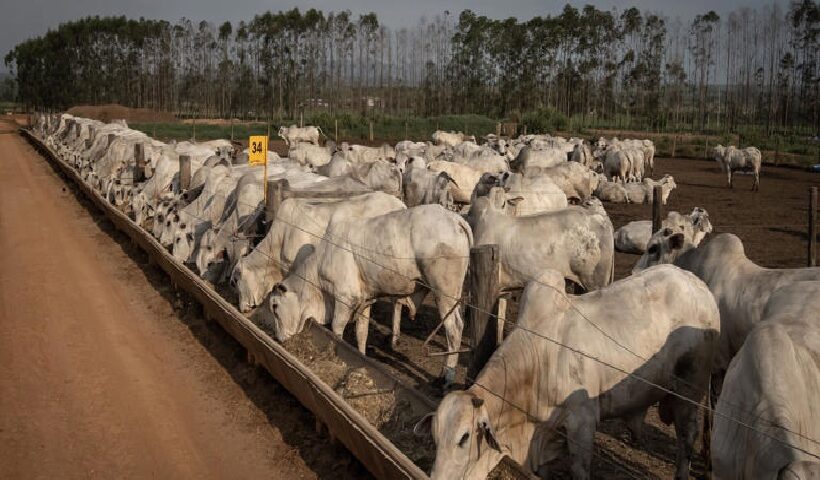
466,227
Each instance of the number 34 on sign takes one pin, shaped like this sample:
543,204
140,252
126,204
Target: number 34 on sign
257,149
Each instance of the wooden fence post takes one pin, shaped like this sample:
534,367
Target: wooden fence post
405,129
777,151
184,172
483,287
231,128
336,130
274,197
301,119
498,129
371,131
657,208
674,144
706,149
139,162
812,226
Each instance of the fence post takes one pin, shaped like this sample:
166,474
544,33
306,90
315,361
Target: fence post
301,120
525,129
812,226
139,162
184,172
482,280
674,144
777,151
706,150
657,208
405,129
498,129
274,197
371,131
336,130
231,128
193,131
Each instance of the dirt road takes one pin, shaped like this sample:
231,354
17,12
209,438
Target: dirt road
101,377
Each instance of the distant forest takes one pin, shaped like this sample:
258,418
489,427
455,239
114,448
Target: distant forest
750,67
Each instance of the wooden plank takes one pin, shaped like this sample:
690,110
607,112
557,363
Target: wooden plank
812,254
657,208
482,279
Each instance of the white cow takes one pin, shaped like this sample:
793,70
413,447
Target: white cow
525,195
642,192
740,287
293,134
464,178
298,227
634,236
772,386
732,159
665,323
397,254
575,241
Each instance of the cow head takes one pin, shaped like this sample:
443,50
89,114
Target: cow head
664,247
285,310
466,444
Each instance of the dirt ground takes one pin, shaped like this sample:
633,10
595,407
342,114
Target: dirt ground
106,373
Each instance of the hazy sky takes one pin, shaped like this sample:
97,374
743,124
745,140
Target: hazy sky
21,19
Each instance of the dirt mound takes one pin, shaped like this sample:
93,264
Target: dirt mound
107,113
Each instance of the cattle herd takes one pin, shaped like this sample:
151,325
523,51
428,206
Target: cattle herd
696,322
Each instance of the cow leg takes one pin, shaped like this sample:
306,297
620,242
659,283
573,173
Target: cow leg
686,428
341,315
580,424
453,327
634,423
362,325
394,337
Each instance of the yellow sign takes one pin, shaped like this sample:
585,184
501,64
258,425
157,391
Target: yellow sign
258,150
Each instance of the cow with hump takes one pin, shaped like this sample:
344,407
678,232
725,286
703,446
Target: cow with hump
665,323
400,254
771,385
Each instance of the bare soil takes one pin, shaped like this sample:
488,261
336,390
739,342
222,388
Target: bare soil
107,113
106,373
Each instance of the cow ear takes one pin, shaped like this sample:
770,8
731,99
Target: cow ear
676,241
424,427
514,201
488,434
280,288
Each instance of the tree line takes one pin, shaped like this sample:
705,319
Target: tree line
754,66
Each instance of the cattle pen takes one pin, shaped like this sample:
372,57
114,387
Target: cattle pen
331,411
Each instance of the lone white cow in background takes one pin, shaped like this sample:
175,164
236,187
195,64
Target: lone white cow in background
773,384
666,319
293,134
732,159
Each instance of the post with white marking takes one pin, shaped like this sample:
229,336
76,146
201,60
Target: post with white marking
273,197
657,208
482,279
184,172
812,226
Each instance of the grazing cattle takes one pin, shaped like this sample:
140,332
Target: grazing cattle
617,165
425,187
536,399
772,385
612,192
634,236
313,156
298,227
525,195
577,181
732,160
397,254
363,154
576,241
293,134
740,287
641,192
582,154
464,178
451,139
528,157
